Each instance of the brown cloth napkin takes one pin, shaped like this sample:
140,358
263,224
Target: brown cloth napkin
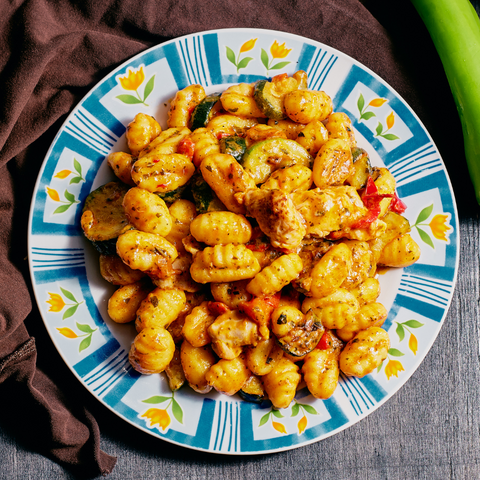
52,53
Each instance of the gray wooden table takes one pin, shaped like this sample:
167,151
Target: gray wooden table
430,429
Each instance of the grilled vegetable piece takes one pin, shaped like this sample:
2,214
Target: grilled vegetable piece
204,111
103,217
204,197
233,145
252,390
263,158
362,168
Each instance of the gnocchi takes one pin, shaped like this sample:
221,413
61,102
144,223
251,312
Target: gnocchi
245,250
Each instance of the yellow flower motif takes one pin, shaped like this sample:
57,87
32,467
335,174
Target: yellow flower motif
279,427
133,80
393,368
390,120
440,227
67,332
377,102
248,45
279,51
63,174
413,343
53,194
159,417
302,425
56,302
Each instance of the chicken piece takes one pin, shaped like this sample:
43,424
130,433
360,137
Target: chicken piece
329,209
276,216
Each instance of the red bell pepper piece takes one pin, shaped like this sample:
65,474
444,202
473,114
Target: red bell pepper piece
325,342
217,308
186,147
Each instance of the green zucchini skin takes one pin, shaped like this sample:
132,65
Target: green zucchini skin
266,156
203,111
170,197
454,27
270,105
103,216
204,197
235,146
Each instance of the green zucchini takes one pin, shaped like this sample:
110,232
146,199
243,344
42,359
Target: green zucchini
203,112
204,197
103,217
253,391
264,157
170,197
362,168
268,100
454,26
302,338
235,146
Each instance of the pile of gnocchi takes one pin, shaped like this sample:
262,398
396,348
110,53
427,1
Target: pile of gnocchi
245,240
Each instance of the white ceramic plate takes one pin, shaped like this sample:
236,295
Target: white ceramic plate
72,296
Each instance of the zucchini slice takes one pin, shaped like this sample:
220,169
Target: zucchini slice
264,157
235,146
103,217
204,111
253,391
362,168
204,197
268,100
170,197
302,338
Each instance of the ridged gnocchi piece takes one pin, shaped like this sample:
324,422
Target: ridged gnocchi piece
291,128
370,315
277,217
335,310
162,173
224,263
339,126
321,370
277,275
262,357
116,272
174,372
182,212
147,212
238,99
296,178
123,304
147,252
230,332
226,178
196,362
121,163
400,252
333,163
151,351
205,144
166,143
183,104
365,352
304,106
160,308
368,291
362,266
331,270
141,131
313,136
262,132
193,300
220,228
227,124
281,383
231,294
195,328
228,376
